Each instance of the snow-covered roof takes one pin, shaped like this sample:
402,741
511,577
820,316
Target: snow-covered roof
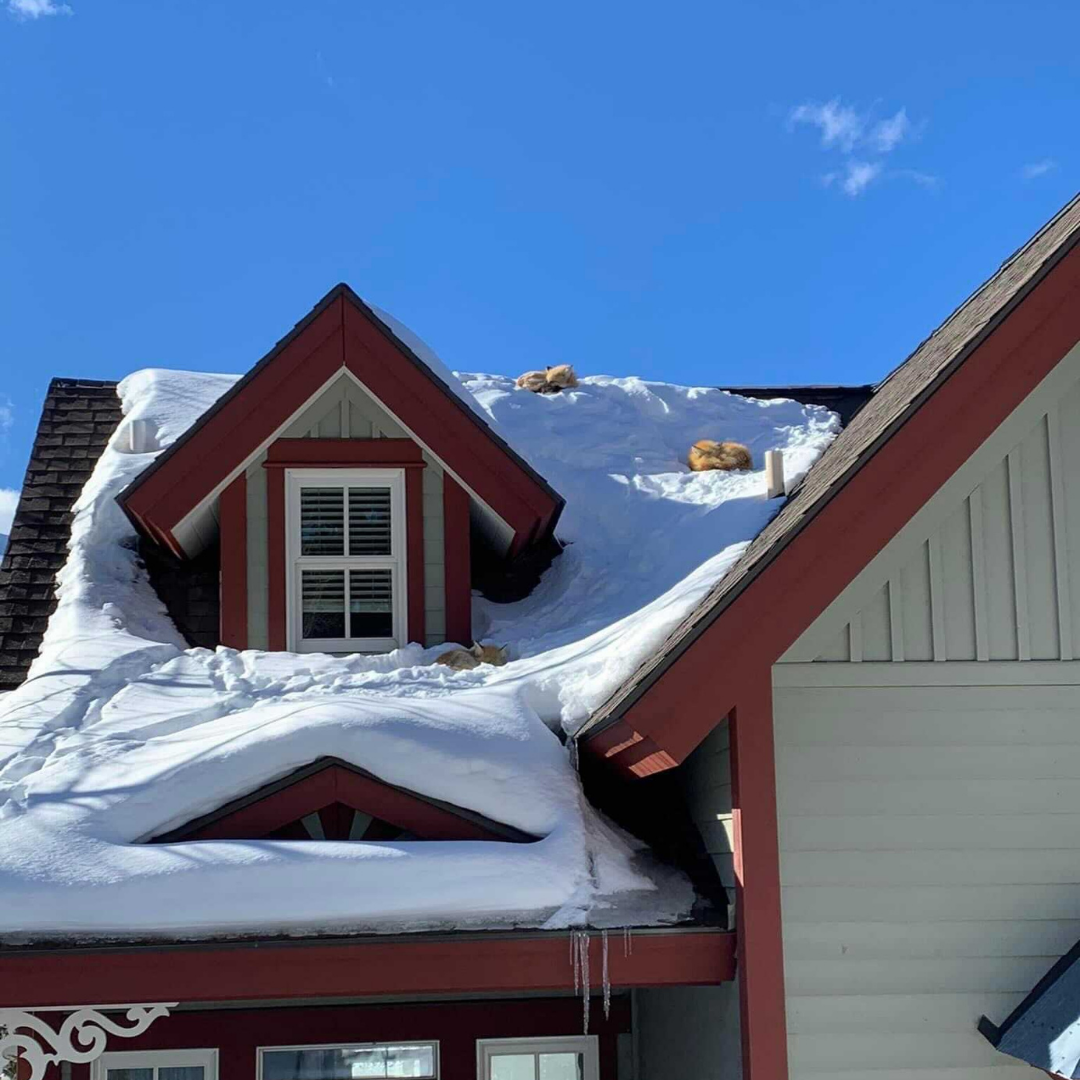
122,732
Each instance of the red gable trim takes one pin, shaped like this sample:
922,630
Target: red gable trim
683,705
267,971
329,781
342,332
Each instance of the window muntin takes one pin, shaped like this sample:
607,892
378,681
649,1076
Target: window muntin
346,1062
156,1065
346,551
571,1058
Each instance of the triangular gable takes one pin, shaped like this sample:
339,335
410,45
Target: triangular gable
341,333
334,800
923,423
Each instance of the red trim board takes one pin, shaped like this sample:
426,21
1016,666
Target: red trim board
232,513
268,971
456,556
757,891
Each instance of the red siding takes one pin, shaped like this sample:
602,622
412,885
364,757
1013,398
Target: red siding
237,1034
277,580
234,584
414,544
457,558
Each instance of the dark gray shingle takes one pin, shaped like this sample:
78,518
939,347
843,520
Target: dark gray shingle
77,419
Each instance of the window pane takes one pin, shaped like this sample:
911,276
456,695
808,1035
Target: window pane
181,1072
323,603
513,1067
346,1064
369,521
308,1065
410,1061
322,521
365,1062
561,1067
131,1074
371,613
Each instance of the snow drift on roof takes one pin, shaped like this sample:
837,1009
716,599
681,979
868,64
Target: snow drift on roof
122,733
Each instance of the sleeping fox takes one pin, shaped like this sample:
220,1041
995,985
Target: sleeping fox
551,380
467,659
706,454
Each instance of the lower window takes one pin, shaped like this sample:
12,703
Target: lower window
573,1058
157,1065
349,1061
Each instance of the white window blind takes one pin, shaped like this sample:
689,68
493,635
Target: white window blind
347,554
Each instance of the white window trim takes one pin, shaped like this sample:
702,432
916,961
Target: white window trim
260,1050
586,1045
397,561
155,1059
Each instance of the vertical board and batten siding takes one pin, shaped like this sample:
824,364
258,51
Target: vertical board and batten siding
343,410
993,576
927,731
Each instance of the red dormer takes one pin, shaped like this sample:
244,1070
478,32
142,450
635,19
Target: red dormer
350,490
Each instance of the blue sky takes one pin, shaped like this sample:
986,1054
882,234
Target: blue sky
697,192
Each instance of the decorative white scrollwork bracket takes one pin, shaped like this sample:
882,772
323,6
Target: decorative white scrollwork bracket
81,1037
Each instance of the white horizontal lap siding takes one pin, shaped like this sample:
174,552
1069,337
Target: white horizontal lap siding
929,859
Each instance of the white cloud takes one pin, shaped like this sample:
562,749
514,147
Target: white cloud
863,142
888,134
856,177
840,125
7,415
8,501
34,9
1038,168
923,179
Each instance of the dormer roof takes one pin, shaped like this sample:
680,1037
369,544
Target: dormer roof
172,501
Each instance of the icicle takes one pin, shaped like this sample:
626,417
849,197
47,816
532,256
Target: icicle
627,942
606,980
573,753
585,979
575,958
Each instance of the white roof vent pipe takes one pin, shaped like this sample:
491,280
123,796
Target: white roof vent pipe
139,436
774,474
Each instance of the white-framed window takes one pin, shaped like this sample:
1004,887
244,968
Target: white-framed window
345,551
156,1065
574,1057
349,1060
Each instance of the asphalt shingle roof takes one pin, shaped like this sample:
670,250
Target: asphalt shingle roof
77,419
